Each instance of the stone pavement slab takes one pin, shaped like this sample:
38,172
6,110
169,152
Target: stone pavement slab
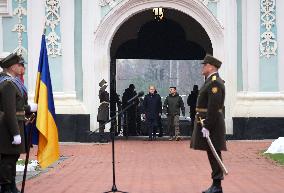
158,167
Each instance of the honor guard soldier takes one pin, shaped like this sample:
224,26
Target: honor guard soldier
13,108
103,111
209,119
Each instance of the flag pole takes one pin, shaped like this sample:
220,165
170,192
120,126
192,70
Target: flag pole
29,125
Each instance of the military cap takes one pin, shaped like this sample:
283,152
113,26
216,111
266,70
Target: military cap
102,82
11,59
209,59
103,87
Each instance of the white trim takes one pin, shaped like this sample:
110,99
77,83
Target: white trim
229,68
259,104
280,39
91,17
221,14
67,42
6,8
65,103
111,23
1,35
253,38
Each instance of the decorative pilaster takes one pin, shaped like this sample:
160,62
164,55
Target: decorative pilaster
268,42
53,21
20,28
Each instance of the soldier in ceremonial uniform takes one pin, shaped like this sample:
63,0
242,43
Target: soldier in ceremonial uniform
103,111
13,108
209,108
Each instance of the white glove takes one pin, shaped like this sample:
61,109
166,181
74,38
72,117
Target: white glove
205,132
33,107
17,140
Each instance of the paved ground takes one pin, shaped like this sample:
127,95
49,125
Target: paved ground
158,167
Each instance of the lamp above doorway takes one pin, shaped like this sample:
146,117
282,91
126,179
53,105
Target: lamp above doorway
158,13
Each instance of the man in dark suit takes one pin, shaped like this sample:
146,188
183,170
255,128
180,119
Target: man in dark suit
152,110
13,107
209,108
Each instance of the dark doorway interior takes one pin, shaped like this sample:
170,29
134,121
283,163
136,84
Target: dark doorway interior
176,37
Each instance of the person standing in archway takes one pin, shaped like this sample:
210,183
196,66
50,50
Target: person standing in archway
130,122
152,110
172,106
209,120
191,102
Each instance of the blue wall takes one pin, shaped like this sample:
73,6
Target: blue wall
268,67
78,50
239,46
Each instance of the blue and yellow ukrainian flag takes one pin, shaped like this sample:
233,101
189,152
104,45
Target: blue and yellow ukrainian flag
48,147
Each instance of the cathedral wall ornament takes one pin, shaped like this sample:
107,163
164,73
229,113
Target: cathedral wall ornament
20,28
53,21
268,43
206,2
111,3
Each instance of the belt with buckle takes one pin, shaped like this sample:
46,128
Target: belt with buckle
20,113
204,110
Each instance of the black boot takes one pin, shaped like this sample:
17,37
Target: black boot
14,188
215,187
6,188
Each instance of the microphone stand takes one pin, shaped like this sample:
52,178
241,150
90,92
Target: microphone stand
112,119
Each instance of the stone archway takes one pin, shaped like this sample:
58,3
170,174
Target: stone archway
116,17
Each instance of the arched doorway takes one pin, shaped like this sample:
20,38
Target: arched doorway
176,43
112,22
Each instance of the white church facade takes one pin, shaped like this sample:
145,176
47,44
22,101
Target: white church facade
86,37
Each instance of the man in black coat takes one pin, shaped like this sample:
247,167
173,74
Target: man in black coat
209,108
130,117
191,102
13,107
152,109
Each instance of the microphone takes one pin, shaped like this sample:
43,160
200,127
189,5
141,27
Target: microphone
138,95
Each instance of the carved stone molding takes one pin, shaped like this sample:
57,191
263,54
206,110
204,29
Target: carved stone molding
53,21
20,28
268,43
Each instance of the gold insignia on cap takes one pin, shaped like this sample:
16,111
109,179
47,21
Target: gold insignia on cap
214,78
214,90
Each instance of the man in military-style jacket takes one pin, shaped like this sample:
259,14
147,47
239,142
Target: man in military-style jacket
13,106
103,111
209,108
